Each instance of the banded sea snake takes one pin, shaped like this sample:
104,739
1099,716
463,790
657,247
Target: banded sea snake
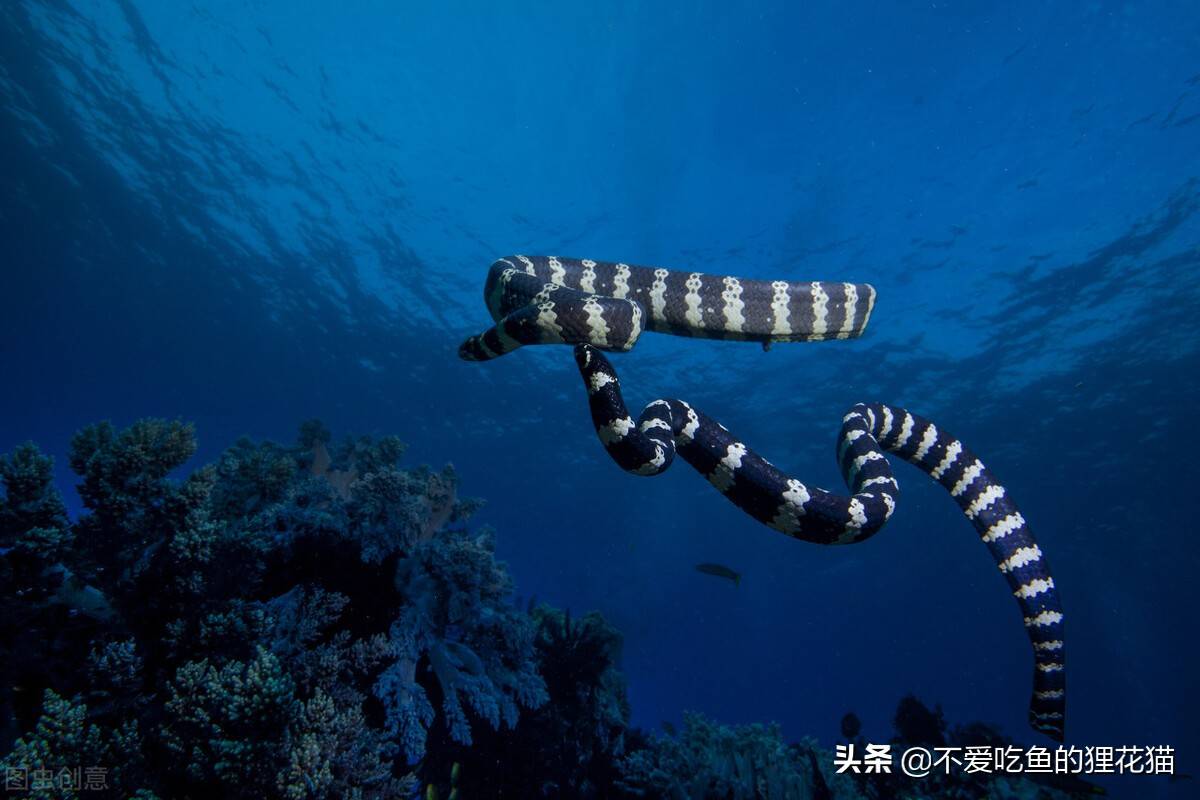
598,305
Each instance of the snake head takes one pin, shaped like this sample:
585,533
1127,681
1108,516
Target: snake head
470,350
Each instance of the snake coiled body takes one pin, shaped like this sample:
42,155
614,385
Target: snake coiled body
600,305
551,300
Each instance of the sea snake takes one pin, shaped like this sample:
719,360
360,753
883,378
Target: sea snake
598,305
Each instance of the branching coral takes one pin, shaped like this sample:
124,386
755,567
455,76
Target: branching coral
570,745
251,476
64,739
706,761
745,762
32,513
393,510
126,487
226,724
326,744
456,619
579,659
35,533
37,591
283,616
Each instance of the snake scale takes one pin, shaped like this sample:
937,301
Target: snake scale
596,305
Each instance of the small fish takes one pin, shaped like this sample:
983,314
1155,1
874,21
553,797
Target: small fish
720,571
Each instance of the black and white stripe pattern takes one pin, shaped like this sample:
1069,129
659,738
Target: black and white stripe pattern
552,300
604,306
648,445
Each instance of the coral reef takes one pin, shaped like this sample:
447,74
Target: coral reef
745,762
290,621
570,746
752,762
316,621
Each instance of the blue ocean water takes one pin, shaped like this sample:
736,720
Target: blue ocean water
249,213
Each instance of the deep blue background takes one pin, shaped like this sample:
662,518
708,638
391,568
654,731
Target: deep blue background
249,213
